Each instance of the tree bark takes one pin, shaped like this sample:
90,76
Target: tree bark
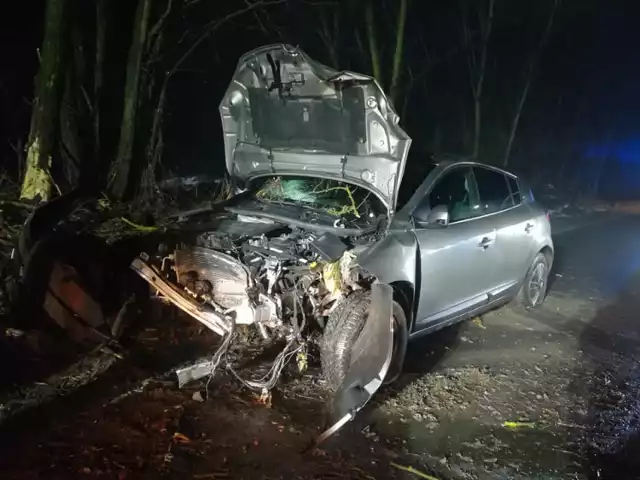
36,185
373,43
399,52
477,71
98,76
533,64
119,176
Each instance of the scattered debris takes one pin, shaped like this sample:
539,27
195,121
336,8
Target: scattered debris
478,322
414,471
180,438
516,425
197,396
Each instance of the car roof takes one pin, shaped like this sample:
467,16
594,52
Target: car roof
469,161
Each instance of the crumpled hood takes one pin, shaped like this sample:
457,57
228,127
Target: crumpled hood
286,114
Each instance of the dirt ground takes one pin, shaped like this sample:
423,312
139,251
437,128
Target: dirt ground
550,393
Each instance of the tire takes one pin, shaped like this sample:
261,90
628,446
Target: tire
343,329
534,286
400,341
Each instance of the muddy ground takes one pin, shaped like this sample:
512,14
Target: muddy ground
551,393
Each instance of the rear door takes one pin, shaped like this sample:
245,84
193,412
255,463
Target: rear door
457,261
501,202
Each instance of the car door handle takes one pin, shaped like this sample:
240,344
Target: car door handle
486,242
528,227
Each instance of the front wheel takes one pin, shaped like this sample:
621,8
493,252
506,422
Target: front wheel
534,287
342,331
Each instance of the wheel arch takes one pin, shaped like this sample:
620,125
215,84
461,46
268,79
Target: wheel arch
404,294
547,251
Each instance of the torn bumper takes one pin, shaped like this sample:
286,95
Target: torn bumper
205,314
370,360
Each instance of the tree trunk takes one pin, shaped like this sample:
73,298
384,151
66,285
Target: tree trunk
373,44
535,58
516,120
36,185
329,32
477,90
397,56
119,176
101,37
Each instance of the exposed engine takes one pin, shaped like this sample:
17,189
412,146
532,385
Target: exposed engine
281,282
276,281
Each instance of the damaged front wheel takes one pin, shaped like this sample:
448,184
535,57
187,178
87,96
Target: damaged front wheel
343,330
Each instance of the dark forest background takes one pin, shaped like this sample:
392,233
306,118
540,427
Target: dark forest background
128,91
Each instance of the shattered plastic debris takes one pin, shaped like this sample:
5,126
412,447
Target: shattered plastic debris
180,438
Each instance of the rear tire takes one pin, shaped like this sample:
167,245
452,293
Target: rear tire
343,329
534,287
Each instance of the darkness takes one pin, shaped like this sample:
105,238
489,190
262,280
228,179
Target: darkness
580,119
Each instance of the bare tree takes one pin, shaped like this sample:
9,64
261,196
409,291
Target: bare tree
155,142
532,68
477,61
50,82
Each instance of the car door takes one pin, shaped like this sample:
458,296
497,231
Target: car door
455,261
501,202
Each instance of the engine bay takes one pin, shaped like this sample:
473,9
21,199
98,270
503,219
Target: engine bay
277,281
284,282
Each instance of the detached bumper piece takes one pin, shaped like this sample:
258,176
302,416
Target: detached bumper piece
203,313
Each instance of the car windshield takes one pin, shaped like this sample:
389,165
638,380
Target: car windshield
333,197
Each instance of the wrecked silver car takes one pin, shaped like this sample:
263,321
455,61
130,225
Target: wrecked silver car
318,156
312,241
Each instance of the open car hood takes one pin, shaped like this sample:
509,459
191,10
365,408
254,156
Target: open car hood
286,114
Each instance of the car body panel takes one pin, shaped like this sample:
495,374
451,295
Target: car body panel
458,271
452,277
285,113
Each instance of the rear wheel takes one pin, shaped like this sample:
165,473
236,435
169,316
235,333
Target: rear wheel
534,287
342,331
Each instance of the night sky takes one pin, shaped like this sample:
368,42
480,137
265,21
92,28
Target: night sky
584,101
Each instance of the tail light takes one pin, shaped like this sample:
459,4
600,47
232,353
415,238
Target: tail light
547,214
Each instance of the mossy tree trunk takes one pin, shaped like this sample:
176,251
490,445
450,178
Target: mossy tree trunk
36,185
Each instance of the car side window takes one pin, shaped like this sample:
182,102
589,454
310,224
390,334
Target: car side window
455,189
494,191
515,190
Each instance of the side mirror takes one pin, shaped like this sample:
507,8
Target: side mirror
438,216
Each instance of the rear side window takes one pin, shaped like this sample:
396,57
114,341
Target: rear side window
515,190
494,191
